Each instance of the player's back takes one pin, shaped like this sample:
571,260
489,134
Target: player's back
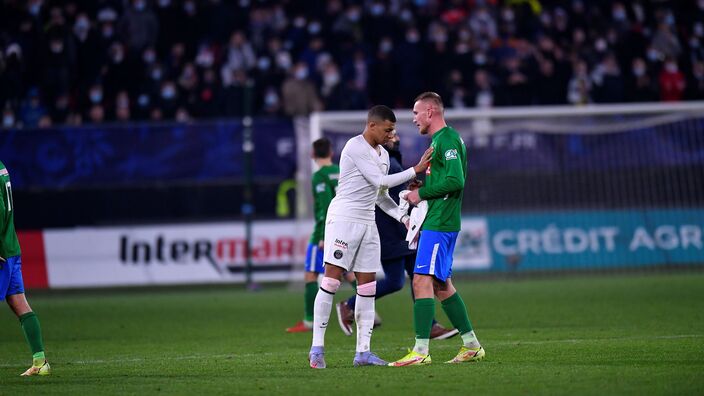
356,195
9,246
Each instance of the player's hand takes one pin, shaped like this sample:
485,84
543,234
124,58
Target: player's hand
415,184
406,220
424,161
413,197
321,244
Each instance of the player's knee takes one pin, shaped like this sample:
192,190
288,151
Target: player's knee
367,289
330,285
396,284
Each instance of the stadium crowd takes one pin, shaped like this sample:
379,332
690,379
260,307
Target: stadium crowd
90,61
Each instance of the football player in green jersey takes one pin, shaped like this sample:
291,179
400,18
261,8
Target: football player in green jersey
443,190
11,284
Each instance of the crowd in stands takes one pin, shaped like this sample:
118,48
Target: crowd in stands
91,61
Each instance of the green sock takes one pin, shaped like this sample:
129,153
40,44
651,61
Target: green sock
423,314
309,300
456,311
32,332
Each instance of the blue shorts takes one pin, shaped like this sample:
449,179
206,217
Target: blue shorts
11,277
434,255
314,258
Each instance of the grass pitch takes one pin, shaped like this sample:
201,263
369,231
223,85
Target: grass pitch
623,334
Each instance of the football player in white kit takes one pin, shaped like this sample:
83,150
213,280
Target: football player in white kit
351,237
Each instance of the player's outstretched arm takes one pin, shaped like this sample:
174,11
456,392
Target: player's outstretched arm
389,207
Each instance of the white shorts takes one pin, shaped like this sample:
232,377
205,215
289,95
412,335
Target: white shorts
352,246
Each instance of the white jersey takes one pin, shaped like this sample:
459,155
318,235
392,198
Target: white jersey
364,181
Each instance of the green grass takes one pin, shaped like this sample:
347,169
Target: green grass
624,334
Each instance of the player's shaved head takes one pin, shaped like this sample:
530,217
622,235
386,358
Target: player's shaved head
431,98
381,113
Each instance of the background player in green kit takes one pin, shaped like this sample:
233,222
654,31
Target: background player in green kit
443,190
324,186
11,284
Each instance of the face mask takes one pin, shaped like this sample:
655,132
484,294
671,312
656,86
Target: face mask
377,9
619,14
653,55
331,79
507,15
82,24
314,28
264,63
143,100
149,57
462,48
600,45
299,22
479,58
699,29
35,8
301,73
271,99
57,47
168,93
96,97
108,32
283,60
353,16
8,121
393,146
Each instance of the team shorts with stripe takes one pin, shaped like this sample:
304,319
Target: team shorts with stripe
11,282
352,246
434,257
314,258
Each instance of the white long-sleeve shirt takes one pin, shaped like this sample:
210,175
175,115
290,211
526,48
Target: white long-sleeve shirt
364,181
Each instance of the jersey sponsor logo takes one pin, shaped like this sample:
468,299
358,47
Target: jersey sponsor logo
320,187
450,154
338,254
341,244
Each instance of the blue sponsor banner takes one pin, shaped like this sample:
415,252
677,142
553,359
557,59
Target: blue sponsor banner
584,240
144,153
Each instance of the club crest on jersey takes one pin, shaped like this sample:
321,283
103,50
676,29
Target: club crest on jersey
338,254
451,154
320,187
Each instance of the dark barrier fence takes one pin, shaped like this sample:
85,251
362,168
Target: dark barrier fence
136,173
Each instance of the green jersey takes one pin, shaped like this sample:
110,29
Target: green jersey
444,182
9,246
324,187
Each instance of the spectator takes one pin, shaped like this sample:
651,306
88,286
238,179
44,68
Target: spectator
672,82
298,92
384,53
640,86
139,26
